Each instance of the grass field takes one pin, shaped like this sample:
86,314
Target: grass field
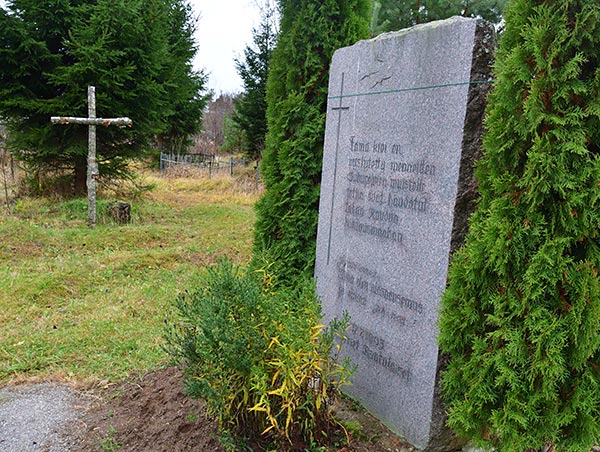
90,304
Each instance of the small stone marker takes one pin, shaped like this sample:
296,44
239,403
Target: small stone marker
92,166
403,130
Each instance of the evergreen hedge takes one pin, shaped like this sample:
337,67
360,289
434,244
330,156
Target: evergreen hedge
520,320
311,30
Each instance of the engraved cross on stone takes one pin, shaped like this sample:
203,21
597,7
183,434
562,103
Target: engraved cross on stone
92,166
340,109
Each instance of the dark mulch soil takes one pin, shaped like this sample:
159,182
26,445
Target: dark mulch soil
151,414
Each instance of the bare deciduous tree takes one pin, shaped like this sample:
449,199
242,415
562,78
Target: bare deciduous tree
211,138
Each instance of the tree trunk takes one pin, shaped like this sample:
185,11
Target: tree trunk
80,176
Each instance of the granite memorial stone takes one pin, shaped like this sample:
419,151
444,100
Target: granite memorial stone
403,129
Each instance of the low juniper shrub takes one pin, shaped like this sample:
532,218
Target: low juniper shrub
260,358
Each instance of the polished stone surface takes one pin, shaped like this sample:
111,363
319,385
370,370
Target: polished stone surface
403,129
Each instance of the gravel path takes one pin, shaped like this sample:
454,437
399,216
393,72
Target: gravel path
32,417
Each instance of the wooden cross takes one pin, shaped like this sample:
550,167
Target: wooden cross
92,166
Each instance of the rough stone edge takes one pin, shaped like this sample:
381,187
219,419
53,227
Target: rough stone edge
485,44
420,27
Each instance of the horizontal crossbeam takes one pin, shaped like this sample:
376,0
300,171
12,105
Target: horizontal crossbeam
91,121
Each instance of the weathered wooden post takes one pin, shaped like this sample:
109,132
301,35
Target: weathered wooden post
256,175
92,165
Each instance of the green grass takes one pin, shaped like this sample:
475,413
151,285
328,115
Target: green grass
110,443
90,304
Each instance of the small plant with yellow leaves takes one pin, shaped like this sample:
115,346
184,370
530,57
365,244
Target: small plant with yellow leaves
260,357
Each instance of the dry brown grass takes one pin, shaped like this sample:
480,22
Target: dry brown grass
194,184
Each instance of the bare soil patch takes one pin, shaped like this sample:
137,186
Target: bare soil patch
150,413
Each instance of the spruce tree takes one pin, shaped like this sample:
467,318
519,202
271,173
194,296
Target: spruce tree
250,113
520,319
138,55
310,31
184,86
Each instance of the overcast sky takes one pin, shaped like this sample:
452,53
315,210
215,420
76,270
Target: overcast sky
223,30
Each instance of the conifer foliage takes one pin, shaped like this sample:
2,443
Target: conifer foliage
310,31
138,54
391,15
250,113
520,320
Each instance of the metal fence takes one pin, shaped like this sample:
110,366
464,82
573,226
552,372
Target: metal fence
208,162
199,160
